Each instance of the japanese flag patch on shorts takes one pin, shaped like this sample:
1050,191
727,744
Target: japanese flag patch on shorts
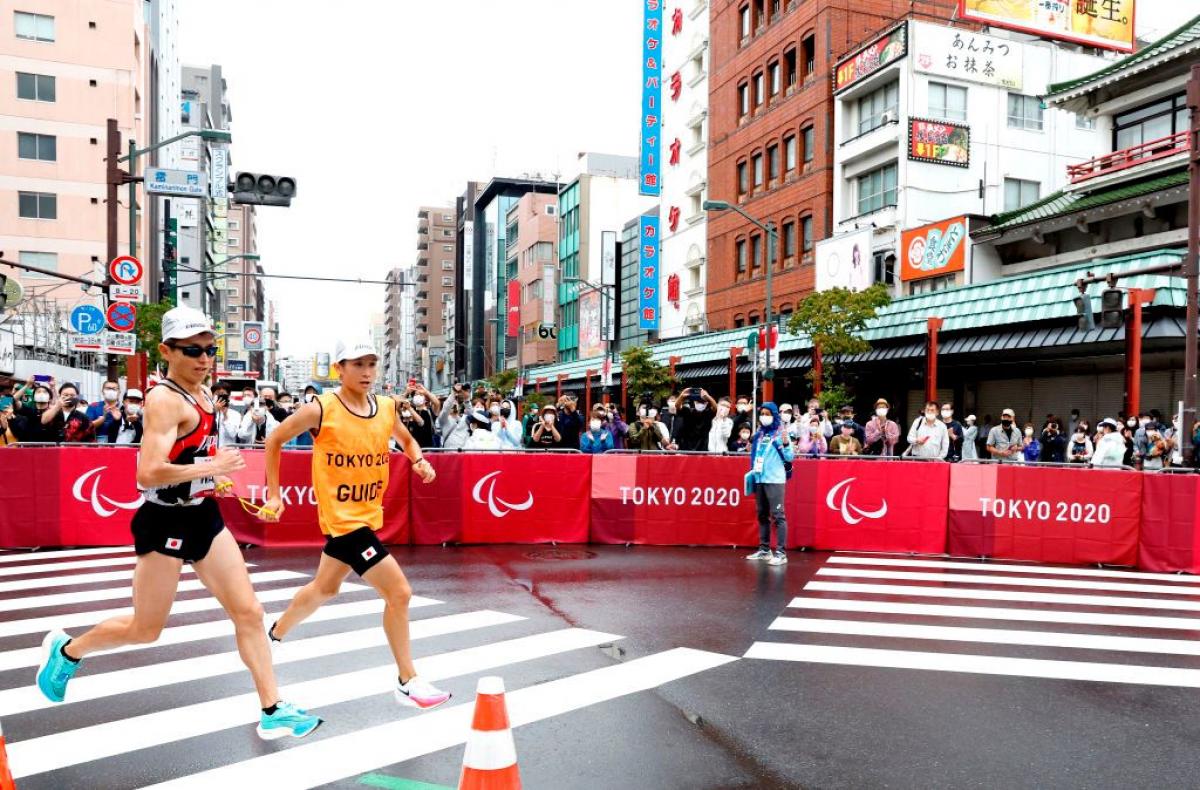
369,553
174,544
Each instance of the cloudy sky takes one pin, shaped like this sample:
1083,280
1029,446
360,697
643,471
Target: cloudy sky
378,107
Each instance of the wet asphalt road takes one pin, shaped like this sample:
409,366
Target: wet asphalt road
885,673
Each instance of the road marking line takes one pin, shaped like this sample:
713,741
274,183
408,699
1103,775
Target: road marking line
180,634
1180,647
72,580
166,673
1010,581
911,590
112,738
331,759
35,556
992,613
966,564
55,567
980,665
116,593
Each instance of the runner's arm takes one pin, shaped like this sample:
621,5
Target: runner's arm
161,424
306,418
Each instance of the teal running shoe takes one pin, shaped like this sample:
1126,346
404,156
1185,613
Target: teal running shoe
287,720
56,669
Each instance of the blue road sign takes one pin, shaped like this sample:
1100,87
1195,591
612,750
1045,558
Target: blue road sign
87,319
122,316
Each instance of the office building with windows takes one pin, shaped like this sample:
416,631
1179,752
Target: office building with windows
437,245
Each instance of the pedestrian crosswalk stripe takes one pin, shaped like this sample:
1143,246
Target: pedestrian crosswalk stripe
36,556
56,567
912,590
179,634
976,664
1182,647
1010,581
330,759
41,624
992,613
41,583
113,738
114,593
124,681
883,559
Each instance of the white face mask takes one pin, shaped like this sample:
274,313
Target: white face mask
133,409
745,437
495,409
743,408
786,416
947,414
595,424
1131,423
418,400
671,405
722,411
309,398
41,397
881,412
549,418
1029,432
641,412
931,416
652,413
814,428
110,396
765,420
701,406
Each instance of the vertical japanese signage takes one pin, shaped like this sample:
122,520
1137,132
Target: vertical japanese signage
650,172
468,255
1098,23
608,257
648,314
218,185
549,295
514,308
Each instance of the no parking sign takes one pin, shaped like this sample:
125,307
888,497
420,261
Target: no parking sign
121,316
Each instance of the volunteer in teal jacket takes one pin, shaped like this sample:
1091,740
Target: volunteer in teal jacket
769,451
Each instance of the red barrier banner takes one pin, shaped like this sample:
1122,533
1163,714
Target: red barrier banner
856,505
671,500
502,498
1045,514
1169,541
299,525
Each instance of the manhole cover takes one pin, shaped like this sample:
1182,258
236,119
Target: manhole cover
560,554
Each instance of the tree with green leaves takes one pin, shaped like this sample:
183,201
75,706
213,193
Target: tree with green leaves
644,375
149,330
835,320
503,380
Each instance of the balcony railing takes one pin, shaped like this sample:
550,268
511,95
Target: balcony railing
1128,157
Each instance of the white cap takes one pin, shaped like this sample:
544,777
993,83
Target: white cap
181,322
134,393
353,349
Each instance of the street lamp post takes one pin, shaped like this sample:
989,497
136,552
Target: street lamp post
772,244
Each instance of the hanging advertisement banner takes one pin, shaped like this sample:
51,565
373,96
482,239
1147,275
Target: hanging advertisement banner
514,309
650,171
648,313
965,55
883,51
844,261
1106,24
468,255
590,342
939,143
933,250
549,296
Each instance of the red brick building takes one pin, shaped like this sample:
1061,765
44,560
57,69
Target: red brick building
771,138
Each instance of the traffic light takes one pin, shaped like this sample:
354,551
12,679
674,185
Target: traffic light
261,189
1112,311
1087,318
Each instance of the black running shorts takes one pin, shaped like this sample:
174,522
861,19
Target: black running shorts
360,549
185,532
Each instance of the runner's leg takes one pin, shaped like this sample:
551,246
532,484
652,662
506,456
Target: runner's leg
325,585
155,579
223,572
389,581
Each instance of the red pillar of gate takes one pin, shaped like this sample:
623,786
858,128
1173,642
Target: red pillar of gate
934,325
1133,349
733,355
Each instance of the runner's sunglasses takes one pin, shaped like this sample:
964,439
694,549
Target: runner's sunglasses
195,352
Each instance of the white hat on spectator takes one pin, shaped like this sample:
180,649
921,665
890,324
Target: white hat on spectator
480,416
353,348
1111,423
134,393
181,322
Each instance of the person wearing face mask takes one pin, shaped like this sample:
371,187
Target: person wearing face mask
569,422
546,434
846,415
648,434
721,431
790,424
954,433
72,410
620,429
1158,454
30,426
929,438
814,409
482,437
812,439
1032,451
507,427
741,442
1079,446
257,424
845,443
771,453
452,420
104,412
1004,442
970,440
1054,443
882,434
597,438
127,429
695,410
1110,450
742,415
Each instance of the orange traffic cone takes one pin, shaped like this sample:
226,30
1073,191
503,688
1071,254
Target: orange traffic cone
490,762
6,780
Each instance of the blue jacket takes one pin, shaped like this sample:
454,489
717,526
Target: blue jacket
767,443
594,443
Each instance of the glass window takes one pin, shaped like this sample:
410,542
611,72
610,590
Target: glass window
1019,193
447,282
37,146
757,163
789,67
773,71
1024,112
37,205
740,248
789,240
772,162
34,27
877,189
806,232
447,266
744,15
743,100
1149,123
947,101
743,185
759,96
756,251
789,153
42,260
874,106
447,248
809,143
809,46
35,87
1084,122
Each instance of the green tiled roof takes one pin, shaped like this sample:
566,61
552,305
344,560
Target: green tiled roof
1187,34
1038,296
1062,202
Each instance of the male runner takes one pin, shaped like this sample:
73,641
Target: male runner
350,469
178,470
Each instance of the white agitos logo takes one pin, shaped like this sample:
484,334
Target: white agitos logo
498,506
850,513
103,506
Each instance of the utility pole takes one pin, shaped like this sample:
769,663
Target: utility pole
1192,269
115,178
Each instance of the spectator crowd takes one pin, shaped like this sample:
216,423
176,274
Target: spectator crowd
41,410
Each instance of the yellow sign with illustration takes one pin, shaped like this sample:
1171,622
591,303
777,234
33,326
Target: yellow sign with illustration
1107,24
